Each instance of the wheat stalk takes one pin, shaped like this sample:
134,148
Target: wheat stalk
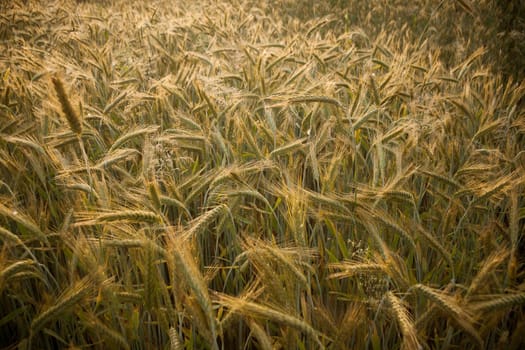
65,302
451,308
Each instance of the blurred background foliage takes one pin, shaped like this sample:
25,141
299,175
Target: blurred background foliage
458,27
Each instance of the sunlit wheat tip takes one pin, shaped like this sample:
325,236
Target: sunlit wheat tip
73,119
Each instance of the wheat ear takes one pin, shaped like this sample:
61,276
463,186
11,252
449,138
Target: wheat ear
405,322
74,120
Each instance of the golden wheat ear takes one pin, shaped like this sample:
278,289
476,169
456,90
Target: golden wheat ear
73,118
405,322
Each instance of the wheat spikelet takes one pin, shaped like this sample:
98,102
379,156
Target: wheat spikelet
514,217
388,221
441,178
84,188
23,220
199,319
115,156
270,275
250,140
350,269
432,311
223,144
5,99
115,102
132,135
445,302
477,169
199,224
109,335
499,302
357,99
27,142
166,200
364,118
398,195
187,267
487,268
249,193
15,268
429,237
175,343
296,212
154,194
7,235
264,340
321,99
289,258
199,188
67,300
485,129
125,243
188,138
72,117
375,92
314,163
489,190
325,200
129,215
131,243
393,133
290,148
405,322
252,309
451,308
129,297
462,107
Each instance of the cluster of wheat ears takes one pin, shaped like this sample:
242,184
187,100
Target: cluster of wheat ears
205,174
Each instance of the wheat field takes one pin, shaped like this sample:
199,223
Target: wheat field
260,175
